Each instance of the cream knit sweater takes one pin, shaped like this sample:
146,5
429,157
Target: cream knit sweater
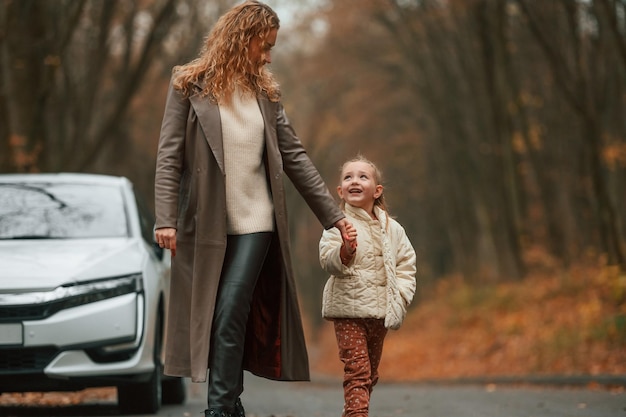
248,201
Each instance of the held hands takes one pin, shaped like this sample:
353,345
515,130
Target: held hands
166,238
349,235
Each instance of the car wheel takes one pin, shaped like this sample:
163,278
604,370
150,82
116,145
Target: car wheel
145,397
174,391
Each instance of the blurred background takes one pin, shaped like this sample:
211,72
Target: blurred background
499,125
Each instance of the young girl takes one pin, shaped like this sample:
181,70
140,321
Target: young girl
370,286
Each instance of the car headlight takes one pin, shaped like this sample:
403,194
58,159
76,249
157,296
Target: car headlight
90,292
41,304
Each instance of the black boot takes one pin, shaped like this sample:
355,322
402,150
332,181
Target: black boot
239,411
213,412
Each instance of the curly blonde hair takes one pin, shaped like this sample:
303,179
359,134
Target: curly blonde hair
223,62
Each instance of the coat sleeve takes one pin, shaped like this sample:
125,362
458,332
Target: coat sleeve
170,154
303,174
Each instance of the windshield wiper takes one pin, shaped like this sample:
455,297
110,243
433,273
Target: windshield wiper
40,189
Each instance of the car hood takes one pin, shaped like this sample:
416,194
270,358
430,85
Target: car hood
35,265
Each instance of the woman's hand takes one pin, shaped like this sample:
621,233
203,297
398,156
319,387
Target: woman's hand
348,232
166,238
349,235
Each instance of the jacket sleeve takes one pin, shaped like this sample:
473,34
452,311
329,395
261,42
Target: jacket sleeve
329,247
170,154
406,268
303,174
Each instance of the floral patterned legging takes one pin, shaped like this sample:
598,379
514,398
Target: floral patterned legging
360,343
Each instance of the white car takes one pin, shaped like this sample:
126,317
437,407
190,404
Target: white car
83,290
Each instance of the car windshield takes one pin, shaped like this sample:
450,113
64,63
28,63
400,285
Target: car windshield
32,210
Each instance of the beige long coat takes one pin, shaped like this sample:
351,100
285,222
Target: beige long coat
190,196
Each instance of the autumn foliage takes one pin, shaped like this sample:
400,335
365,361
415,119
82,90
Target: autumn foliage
554,323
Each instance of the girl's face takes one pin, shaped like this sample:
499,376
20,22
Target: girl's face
358,186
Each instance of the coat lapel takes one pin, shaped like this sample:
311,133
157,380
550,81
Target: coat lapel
209,118
268,111
266,107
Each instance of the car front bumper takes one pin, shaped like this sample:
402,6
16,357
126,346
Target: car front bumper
99,342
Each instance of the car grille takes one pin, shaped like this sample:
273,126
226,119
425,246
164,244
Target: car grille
29,312
17,360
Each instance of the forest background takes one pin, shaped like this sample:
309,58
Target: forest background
499,126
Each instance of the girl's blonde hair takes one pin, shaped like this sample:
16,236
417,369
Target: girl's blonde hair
378,178
223,61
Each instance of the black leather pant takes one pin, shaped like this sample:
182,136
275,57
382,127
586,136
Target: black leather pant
244,258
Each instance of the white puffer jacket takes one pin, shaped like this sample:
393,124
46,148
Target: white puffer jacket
368,288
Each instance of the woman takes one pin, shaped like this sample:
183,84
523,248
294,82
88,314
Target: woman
225,144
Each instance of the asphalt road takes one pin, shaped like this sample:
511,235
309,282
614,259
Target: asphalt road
323,398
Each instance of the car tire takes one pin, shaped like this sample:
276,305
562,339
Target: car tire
174,391
145,397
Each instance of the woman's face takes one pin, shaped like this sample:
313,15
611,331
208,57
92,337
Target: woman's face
259,51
